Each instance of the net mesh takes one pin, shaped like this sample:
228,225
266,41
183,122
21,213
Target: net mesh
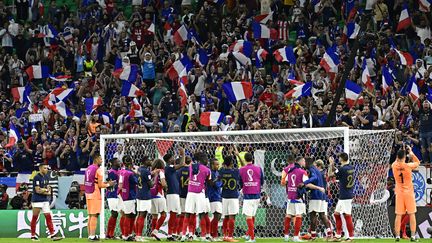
369,153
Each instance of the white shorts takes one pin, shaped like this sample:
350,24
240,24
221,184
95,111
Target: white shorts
158,205
295,208
173,203
113,204
144,205
128,206
318,206
230,206
44,206
250,207
344,206
182,204
216,207
196,203
207,205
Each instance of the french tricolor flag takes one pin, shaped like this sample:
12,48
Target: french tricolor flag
241,58
425,5
242,46
21,94
201,57
285,54
183,77
181,35
292,79
130,90
37,72
236,91
351,30
210,119
387,79
260,31
136,109
352,92
128,72
107,118
178,66
60,78
412,88
330,60
261,56
92,104
404,19
14,136
365,78
405,58
59,94
264,18
61,109
183,95
300,91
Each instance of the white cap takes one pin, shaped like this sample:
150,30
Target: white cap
33,130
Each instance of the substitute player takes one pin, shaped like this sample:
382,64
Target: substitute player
145,182
214,193
127,198
199,175
40,201
112,197
251,181
345,175
172,197
93,183
404,190
230,193
159,206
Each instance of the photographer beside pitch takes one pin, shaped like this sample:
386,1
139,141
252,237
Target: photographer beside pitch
404,190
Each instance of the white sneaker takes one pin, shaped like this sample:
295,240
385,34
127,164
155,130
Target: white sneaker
183,238
204,239
140,239
250,241
297,239
246,237
286,238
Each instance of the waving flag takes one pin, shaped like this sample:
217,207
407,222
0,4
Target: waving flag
285,54
210,119
429,95
178,66
67,35
404,19
365,78
151,28
48,31
264,18
61,109
405,58
107,118
183,95
21,94
201,57
236,91
194,37
59,94
387,79
181,35
351,30
242,46
14,136
241,58
92,104
261,56
130,90
411,88
292,79
300,91
352,92
128,72
260,31
37,72
183,77
136,109
425,5
60,78
330,60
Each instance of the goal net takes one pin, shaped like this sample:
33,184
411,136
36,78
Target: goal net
369,153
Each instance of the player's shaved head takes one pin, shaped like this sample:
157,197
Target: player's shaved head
401,154
344,157
248,157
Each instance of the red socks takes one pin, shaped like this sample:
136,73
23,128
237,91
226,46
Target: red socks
139,226
225,226
122,219
231,227
214,227
172,223
338,220
287,223
33,225
160,221
404,222
192,223
203,226
185,225
251,228
111,226
297,225
179,223
208,223
350,225
153,223
49,223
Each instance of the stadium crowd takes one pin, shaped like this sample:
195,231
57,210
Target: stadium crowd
48,50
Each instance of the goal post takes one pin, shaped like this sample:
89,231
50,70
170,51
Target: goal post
369,153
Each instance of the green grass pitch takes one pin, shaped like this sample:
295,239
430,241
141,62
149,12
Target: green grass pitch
73,240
